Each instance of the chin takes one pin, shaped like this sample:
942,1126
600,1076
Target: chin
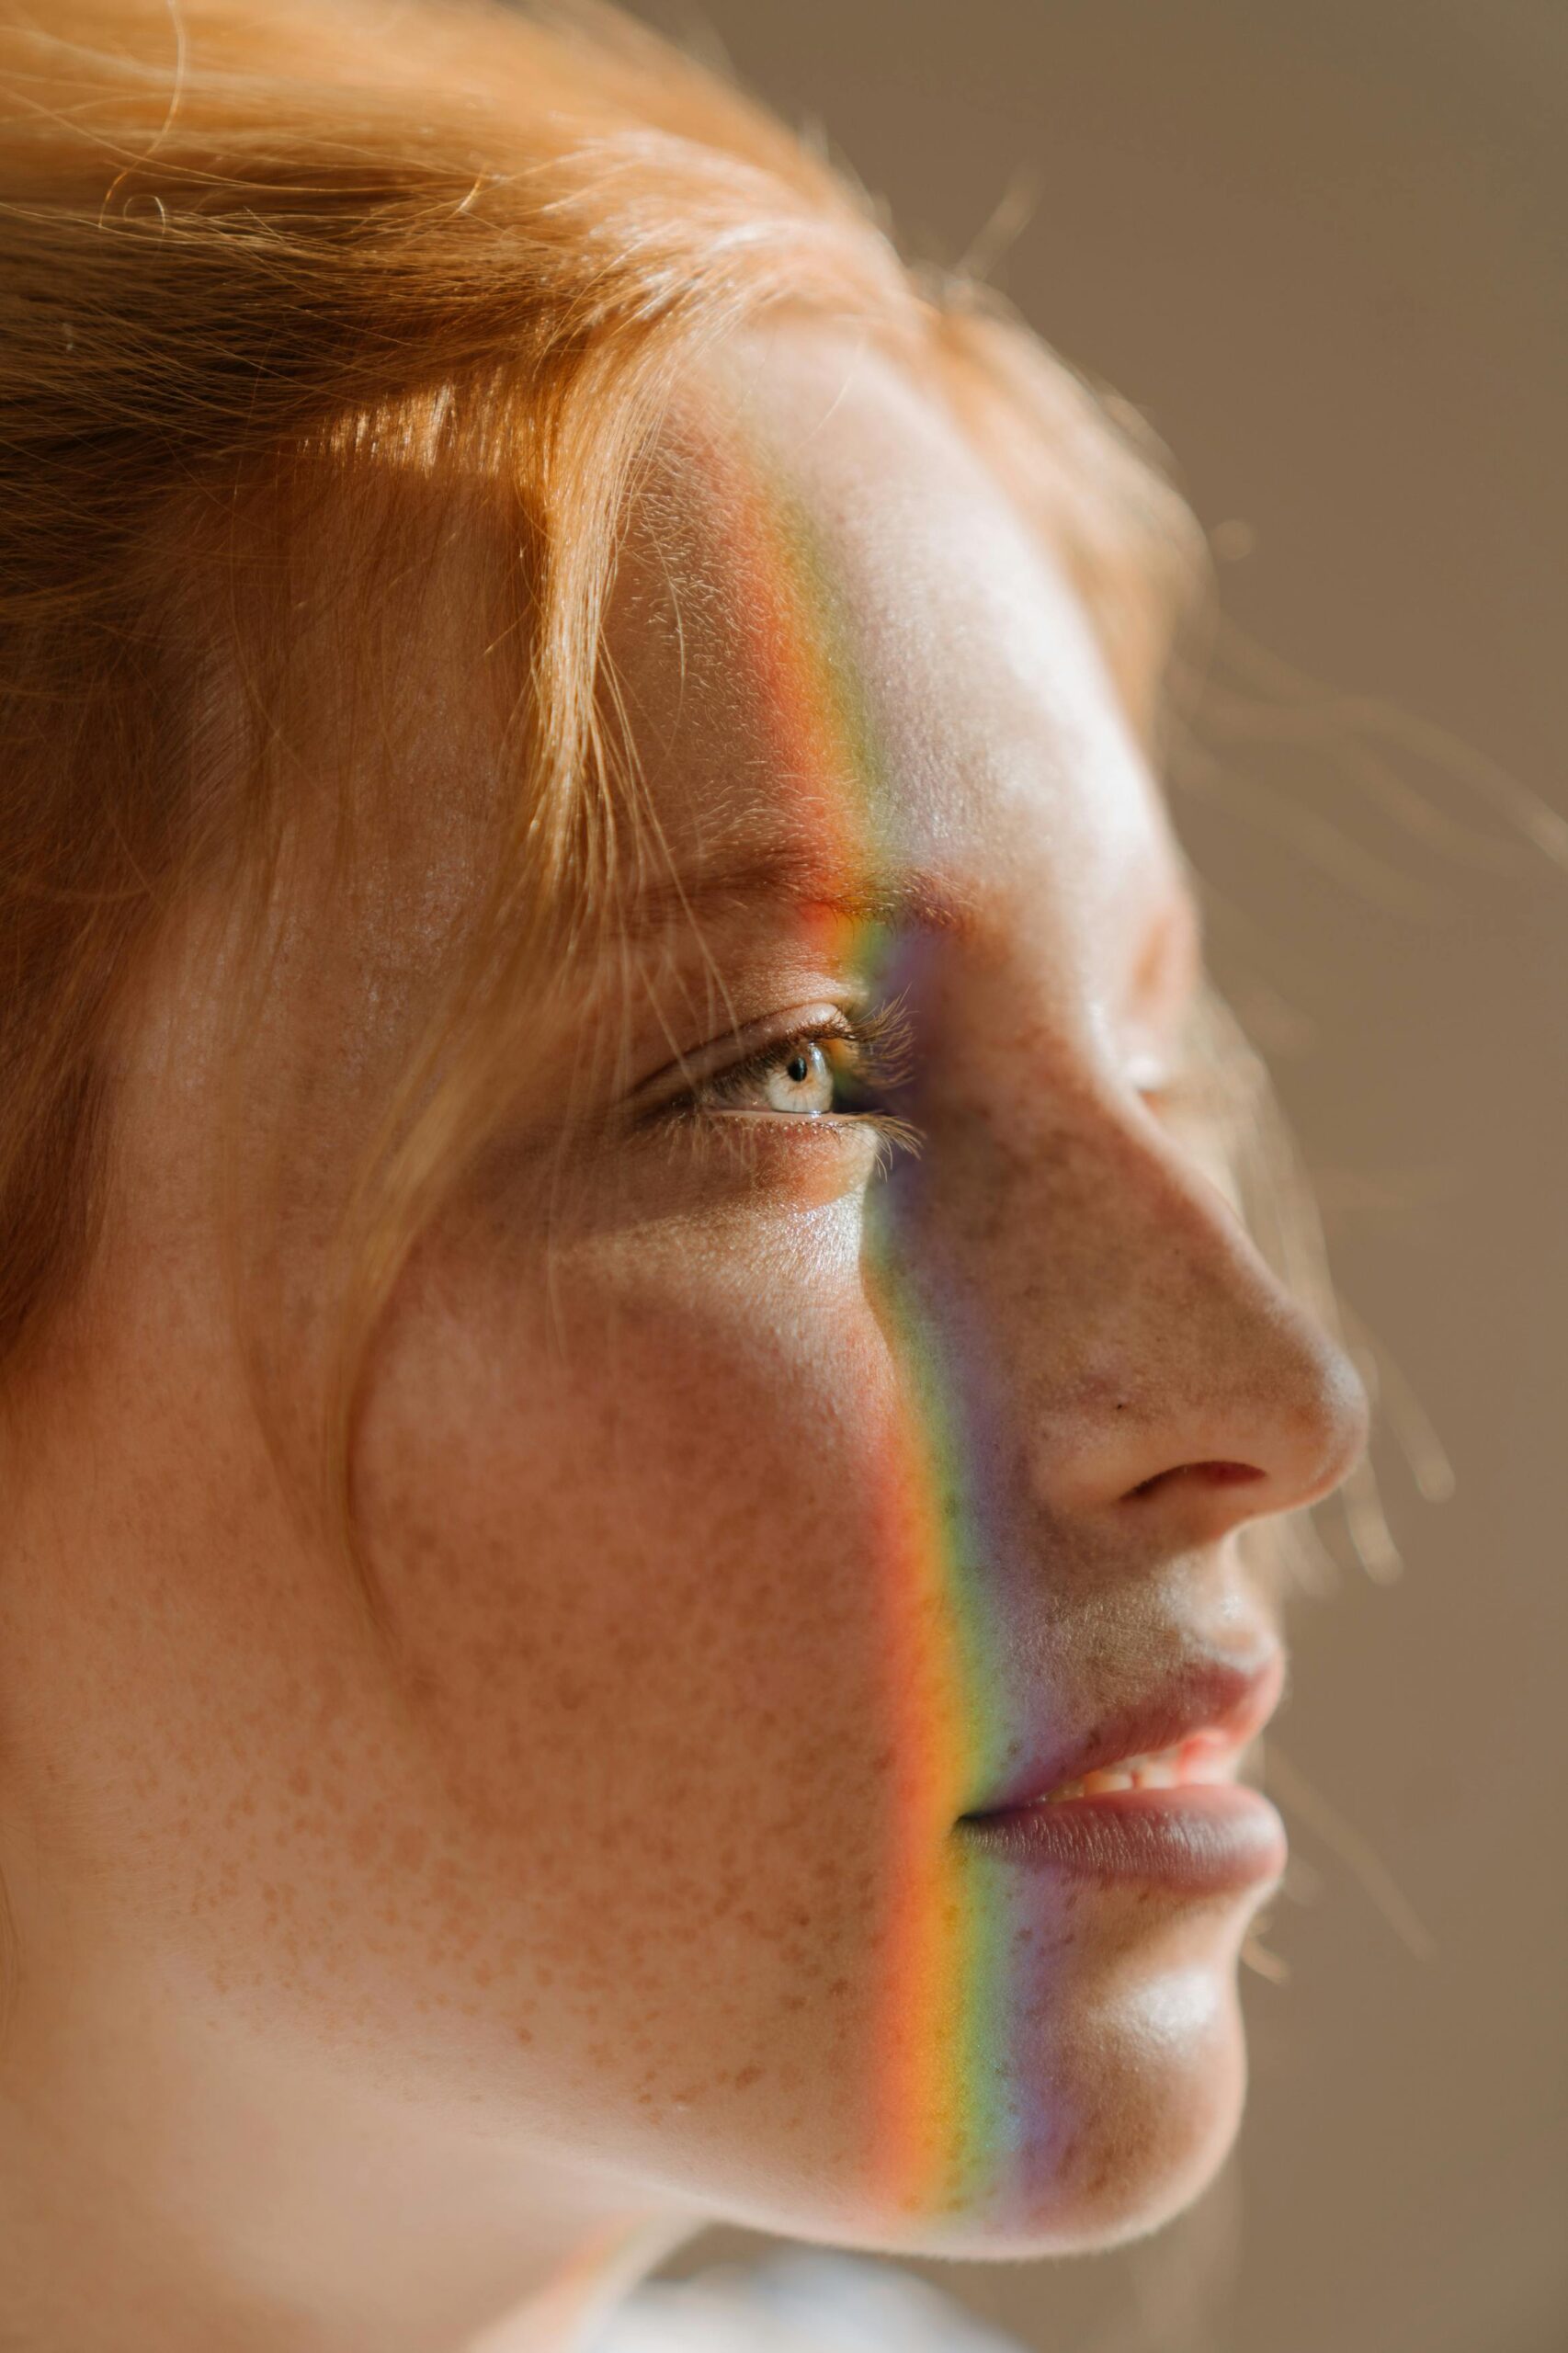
1118,2118
1146,2129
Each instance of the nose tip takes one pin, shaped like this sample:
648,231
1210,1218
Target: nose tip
1230,1403
1338,1428
1292,1433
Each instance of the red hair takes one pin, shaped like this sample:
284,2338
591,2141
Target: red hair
263,261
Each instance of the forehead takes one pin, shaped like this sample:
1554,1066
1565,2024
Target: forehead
840,652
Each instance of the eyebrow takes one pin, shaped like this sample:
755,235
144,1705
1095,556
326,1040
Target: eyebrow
901,900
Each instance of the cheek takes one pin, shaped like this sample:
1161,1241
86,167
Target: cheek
656,1532
629,1548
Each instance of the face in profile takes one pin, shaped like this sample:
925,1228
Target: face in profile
803,1466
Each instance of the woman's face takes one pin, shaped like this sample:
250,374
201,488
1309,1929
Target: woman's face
767,1514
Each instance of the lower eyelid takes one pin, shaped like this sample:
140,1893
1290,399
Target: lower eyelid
880,1138
751,1134
750,1115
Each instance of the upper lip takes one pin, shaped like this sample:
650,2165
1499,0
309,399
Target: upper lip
1227,1701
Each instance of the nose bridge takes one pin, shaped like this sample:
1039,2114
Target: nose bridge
1132,1328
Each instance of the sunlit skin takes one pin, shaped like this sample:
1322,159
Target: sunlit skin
363,1992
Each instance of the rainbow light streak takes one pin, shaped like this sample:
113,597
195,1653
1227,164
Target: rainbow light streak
945,2122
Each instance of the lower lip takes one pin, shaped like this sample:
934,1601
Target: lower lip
1216,1838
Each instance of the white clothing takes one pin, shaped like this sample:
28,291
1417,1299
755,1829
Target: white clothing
802,2302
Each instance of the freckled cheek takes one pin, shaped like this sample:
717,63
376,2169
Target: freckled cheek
642,1589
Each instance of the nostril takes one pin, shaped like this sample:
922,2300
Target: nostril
1211,1474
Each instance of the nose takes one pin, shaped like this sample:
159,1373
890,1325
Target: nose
1225,1402
1158,1382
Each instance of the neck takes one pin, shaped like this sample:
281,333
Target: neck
170,2181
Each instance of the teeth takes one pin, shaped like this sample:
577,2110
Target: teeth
1200,1759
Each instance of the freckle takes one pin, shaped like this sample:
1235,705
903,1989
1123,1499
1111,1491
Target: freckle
525,2035
747,2076
409,1847
363,1840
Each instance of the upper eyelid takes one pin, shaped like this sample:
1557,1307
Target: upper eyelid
709,1094
740,1048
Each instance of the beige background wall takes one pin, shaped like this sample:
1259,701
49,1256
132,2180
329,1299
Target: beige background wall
1322,243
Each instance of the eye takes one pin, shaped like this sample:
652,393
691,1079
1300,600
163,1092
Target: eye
834,1069
806,1076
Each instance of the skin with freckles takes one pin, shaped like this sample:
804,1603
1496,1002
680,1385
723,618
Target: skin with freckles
751,1494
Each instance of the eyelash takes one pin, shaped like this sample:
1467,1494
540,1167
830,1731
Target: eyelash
880,1043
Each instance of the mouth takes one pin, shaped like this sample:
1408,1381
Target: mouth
1151,1797
1202,1762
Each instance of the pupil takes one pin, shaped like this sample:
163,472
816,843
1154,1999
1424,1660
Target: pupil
799,1068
